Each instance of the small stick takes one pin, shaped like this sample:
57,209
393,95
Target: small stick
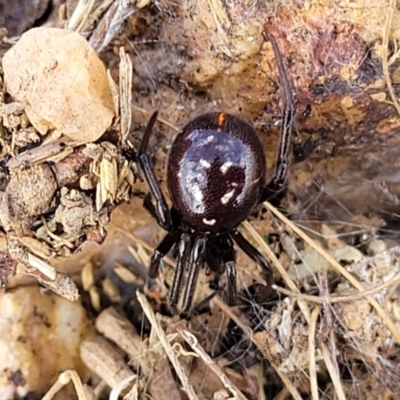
119,330
187,387
101,357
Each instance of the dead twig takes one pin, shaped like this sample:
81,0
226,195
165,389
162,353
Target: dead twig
119,330
187,387
214,367
102,358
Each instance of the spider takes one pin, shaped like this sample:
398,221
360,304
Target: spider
216,177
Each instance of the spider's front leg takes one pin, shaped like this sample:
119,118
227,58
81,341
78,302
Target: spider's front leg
228,259
281,168
196,261
182,259
161,210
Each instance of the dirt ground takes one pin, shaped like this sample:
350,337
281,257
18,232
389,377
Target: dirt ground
80,317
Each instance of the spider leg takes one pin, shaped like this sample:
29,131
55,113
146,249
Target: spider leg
184,248
253,253
162,249
228,258
212,260
161,209
149,206
196,262
282,162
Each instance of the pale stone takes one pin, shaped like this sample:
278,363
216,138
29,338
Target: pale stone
62,83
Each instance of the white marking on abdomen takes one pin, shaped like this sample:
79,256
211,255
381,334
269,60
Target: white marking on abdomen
227,196
205,163
225,166
209,221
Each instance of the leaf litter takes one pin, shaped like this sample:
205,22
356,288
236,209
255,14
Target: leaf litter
328,328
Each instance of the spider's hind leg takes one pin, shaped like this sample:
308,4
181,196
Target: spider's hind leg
254,254
220,257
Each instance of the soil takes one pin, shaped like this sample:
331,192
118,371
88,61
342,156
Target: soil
76,240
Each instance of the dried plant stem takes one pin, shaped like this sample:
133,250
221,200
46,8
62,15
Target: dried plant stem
214,367
104,360
125,95
311,350
119,330
80,15
116,392
187,387
339,299
333,373
390,324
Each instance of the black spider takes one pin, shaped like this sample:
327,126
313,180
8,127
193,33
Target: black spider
216,177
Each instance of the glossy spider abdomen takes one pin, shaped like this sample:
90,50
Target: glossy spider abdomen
216,172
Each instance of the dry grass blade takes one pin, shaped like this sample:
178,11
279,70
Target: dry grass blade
311,350
80,15
390,324
125,88
117,390
338,299
195,345
159,119
187,387
333,373
271,256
